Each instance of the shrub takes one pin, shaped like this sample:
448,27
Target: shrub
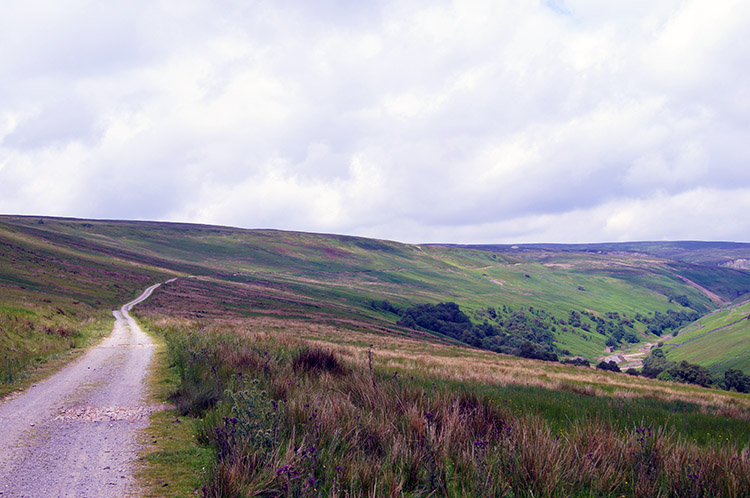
317,360
530,350
737,380
655,363
690,373
578,361
610,366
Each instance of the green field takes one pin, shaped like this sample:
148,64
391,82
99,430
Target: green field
99,263
720,341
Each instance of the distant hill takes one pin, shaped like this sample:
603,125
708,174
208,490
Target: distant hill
571,299
706,263
698,252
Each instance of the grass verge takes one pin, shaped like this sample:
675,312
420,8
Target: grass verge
31,354
171,463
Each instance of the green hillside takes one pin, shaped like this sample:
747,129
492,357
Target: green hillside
704,263
324,365
720,341
586,297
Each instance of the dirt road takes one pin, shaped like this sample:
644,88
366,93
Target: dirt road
75,433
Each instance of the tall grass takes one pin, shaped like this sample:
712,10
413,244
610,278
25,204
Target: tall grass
28,339
290,419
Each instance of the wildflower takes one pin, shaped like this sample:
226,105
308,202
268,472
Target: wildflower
481,444
282,470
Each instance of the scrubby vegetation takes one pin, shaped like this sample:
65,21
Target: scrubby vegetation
736,380
609,366
324,365
662,323
529,333
656,365
295,418
29,338
516,334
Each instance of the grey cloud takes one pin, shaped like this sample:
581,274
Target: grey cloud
56,123
419,121
71,39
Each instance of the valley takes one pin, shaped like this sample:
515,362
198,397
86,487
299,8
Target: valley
415,357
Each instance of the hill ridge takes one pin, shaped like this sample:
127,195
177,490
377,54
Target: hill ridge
624,296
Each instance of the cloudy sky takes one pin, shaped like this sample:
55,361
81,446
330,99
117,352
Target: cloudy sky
419,121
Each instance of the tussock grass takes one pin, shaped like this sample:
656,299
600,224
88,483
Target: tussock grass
317,360
30,338
284,428
450,363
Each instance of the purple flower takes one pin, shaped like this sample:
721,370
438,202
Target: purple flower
282,470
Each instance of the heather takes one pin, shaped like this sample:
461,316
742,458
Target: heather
288,417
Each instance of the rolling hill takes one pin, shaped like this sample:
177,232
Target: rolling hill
718,341
584,297
328,365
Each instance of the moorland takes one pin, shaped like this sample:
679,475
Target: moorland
329,365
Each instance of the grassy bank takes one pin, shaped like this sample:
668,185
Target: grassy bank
171,464
289,417
36,341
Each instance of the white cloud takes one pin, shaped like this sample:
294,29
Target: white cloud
472,120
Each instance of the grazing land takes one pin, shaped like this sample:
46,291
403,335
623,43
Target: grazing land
719,341
326,365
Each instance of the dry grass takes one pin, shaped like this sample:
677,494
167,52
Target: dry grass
375,433
449,362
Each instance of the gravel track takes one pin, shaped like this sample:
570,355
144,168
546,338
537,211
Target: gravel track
75,434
